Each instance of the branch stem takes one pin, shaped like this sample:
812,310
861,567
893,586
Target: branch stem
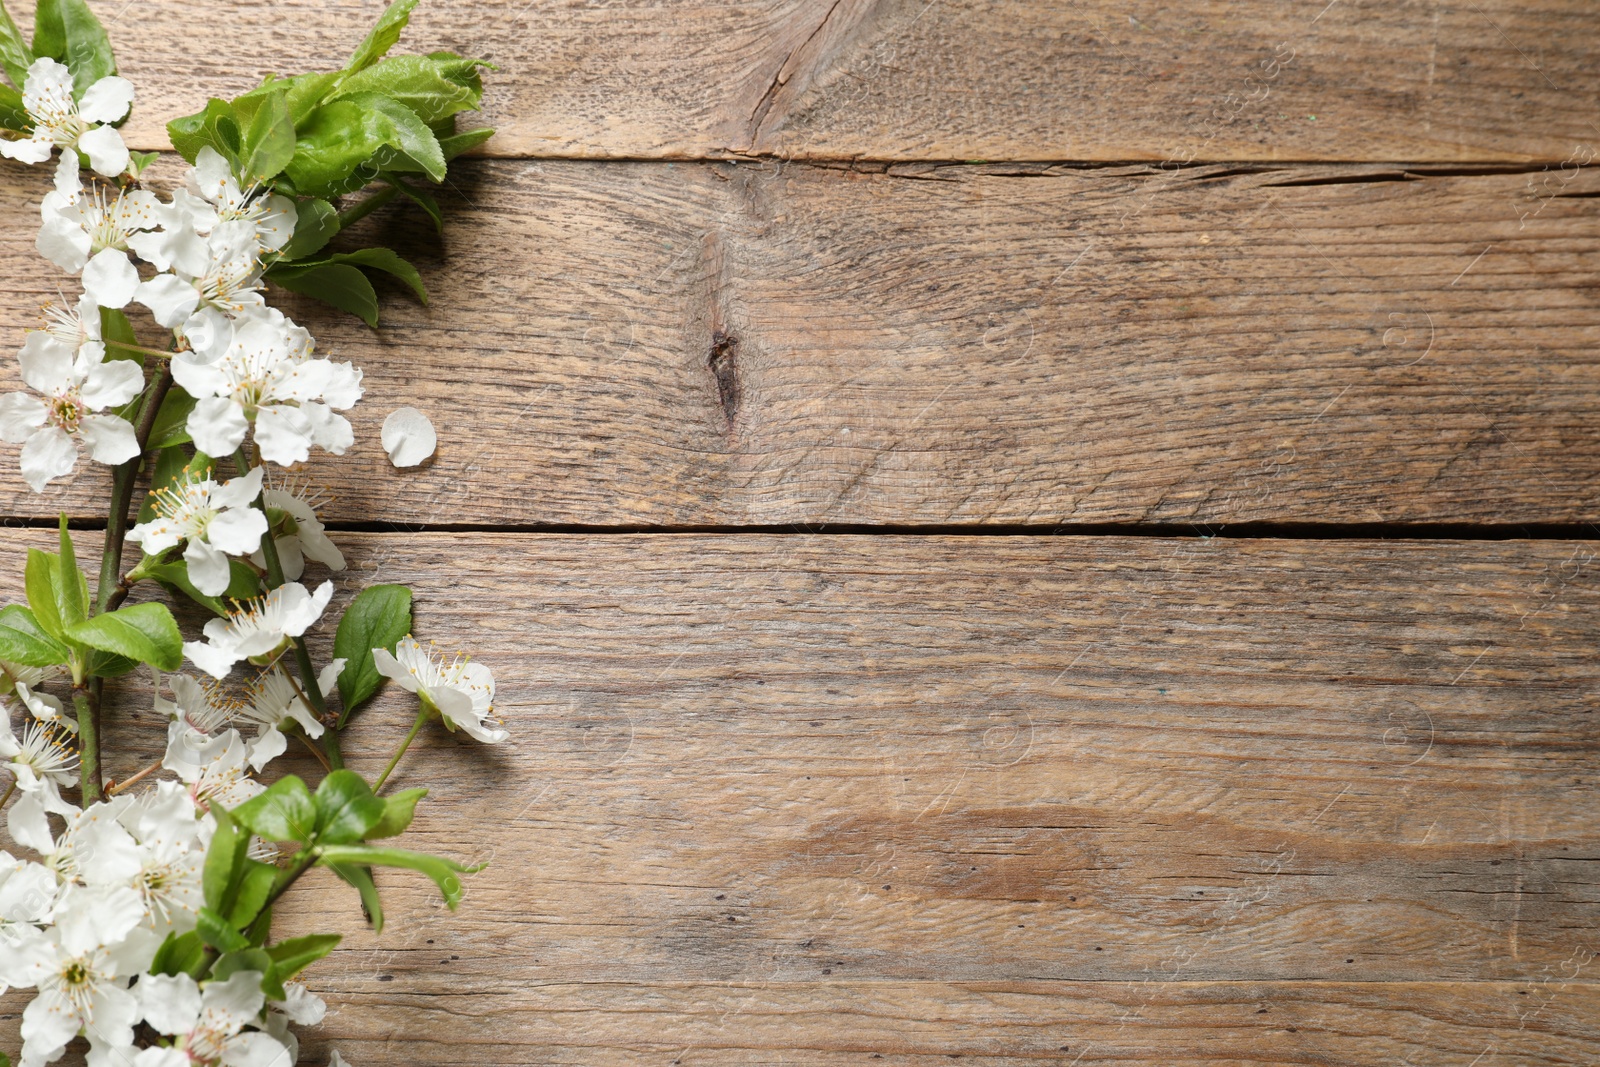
411,735
85,701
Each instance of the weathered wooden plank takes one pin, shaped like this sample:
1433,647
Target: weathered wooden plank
709,344
824,797
913,79
819,796
1159,1024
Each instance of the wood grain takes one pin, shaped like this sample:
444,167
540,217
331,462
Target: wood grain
1466,80
771,794
671,344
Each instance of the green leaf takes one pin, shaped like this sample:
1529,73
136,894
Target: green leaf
411,136
24,641
225,858
382,36
285,812
15,55
145,632
215,931
397,813
269,137
115,331
334,141
291,957
168,470
250,959
316,223
179,954
72,589
243,583
421,197
346,288
215,126
302,93
383,259
361,878
346,808
68,31
110,665
40,577
377,618
251,893
464,142
442,871
13,116
172,421
432,87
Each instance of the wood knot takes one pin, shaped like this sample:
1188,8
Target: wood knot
723,363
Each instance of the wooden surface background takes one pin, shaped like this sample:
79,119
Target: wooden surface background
838,401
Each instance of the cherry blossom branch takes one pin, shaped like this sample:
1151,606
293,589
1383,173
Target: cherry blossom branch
12,788
88,709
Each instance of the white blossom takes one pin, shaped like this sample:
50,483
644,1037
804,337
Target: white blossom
80,967
274,702
85,231
259,369
258,628
461,690
201,291
209,1023
61,122
216,520
74,386
298,533
216,769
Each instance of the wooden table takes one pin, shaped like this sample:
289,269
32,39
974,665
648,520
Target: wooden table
1040,532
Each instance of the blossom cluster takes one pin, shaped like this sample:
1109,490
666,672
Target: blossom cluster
140,915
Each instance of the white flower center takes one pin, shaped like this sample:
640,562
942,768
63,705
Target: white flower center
67,409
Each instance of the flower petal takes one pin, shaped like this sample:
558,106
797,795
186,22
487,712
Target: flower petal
110,438
237,531
283,434
47,363
21,414
171,1003
217,425
208,567
107,153
169,298
109,279
35,149
391,669
107,100
49,454
215,660
408,437
111,383
64,242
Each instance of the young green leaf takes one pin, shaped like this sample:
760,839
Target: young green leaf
172,421
386,260
397,813
411,136
442,871
24,641
382,36
215,126
346,808
346,288
72,587
250,959
216,931
433,87
454,145
269,137
421,197
251,893
110,665
179,954
243,583
361,878
69,32
285,812
15,55
13,115
336,143
225,859
377,618
117,333
291,957
315,224
42,580
145,632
